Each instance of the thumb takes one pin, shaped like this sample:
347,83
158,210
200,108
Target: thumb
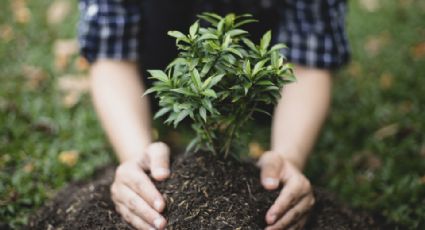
159,160
271,166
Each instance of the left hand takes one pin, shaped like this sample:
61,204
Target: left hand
290,209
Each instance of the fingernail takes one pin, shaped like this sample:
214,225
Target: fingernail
271,181
272,218
157,204
161,172
158,222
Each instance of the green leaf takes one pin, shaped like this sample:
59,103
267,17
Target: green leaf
193,30
183,91
264,83
258,67
149,91
207,36
226,42
209,93
262,111
275,59
216,79
182,115
159,75
278,46
161,112
235,51
203,113
243,22
247,67
265,41
250,44
196,79
176,34
236,32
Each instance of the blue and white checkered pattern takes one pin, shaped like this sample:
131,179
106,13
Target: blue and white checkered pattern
314,31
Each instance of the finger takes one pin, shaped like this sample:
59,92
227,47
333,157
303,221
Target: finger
294,214
138,207
159,159
132,219
271,166
290,195
299,224
137,180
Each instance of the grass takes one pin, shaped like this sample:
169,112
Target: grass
371,151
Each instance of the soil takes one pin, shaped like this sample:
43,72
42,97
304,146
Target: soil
203,192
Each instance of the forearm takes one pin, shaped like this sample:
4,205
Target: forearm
116,91
300,114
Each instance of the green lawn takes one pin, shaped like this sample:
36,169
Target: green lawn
371,151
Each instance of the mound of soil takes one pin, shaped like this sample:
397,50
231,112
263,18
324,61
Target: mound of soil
203,192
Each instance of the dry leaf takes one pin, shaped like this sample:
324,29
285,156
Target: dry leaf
405,3
21,12
63,49
370,5
6,33
35,76
374,44
422,180
69,158
58,11
69,100
422,151
405,107
367,160
355,69
73,87
386,81
81,64
387,131
28,167
255,149
418,51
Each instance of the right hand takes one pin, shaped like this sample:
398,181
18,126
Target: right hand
134,194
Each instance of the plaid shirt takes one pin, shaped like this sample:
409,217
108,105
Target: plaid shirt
314,30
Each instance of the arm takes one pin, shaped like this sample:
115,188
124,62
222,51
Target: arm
298,118
116,91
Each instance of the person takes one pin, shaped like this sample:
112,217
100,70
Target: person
119,36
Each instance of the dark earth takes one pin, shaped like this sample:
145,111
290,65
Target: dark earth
203,192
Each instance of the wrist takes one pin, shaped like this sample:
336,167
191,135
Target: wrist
292,155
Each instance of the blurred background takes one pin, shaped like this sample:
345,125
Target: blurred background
371,152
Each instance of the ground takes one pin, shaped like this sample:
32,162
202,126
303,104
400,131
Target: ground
371,151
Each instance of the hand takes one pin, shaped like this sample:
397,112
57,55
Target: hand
290,209
134,194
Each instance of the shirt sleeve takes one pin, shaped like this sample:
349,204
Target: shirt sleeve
315,33
109,29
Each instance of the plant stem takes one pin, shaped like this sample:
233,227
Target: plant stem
207,132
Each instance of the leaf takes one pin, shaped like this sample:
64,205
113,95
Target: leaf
209,93
264,83
207,36
182,115
213,19
226,42
193,30
236,32
247,67
250,44
183,91
216,79
278,46
203,113
69,158
265,41
196,79
176,34
161,112
159,75
58,11
235,51
258,66
247,21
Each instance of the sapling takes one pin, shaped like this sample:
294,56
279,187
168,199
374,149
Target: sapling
219,79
